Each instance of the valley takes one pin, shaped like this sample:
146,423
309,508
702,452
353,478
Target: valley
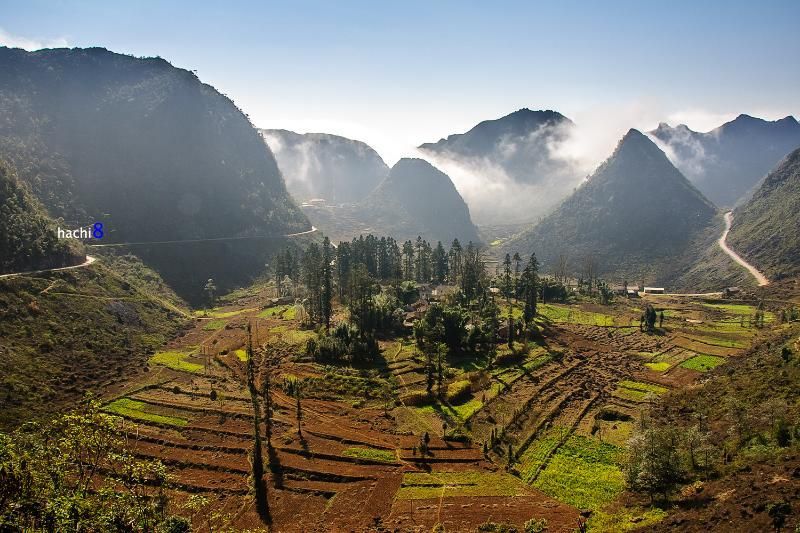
278,304
565,405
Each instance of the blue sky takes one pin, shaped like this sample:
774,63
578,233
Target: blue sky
397,74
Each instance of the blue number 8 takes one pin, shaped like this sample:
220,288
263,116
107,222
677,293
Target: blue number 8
97,232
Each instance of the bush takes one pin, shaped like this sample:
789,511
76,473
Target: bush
536,525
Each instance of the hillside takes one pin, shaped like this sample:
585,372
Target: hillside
766,229
150,151
320,165
511,165
63,334
415,199
727,162
28,239
630,219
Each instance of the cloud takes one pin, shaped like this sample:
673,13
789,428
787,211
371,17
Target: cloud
17,41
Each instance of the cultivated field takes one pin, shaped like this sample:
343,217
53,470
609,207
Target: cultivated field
539,434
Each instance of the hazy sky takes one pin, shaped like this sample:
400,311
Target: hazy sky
396,74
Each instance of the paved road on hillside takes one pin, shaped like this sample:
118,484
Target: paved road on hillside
89,261
760,278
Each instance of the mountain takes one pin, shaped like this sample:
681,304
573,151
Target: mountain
631,218
419,193
320,165
766,229
727,162
28,239
415,199
150,151
510,169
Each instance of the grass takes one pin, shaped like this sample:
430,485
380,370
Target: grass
217,313
718,341
660,366
583,473
138,411
636,391
176,361
535,454
625,519
286,312
292,336
703,363
213,325
372,454
573,315
418,486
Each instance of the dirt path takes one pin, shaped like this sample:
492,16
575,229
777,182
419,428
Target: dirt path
89,261
760,278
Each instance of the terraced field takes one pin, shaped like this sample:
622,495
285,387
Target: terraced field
554,418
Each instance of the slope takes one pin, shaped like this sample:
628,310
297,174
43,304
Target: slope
631,218
766,229
320,165
150,151
28,239
510,169
727,162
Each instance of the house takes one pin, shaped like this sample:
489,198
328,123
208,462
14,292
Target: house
654,290
633,293
440,291
731,291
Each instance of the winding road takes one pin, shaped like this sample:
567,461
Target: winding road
760,278
89,261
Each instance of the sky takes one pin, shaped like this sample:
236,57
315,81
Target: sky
397,74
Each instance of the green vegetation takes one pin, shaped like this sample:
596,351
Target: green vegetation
176,361
418,486
584,473
214,325
50,481
703,363
637,391
372,454
534,456
51,356
286,312
139,411
771,216
574,315
219,313
28,239
659,366
241,354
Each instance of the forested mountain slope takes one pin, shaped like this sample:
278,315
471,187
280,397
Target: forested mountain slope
150,151
766,230
631,219
28,239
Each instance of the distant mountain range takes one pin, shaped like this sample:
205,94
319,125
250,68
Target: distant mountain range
727,162
515,171
630,219
320,165
415,199
149,150
766,229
